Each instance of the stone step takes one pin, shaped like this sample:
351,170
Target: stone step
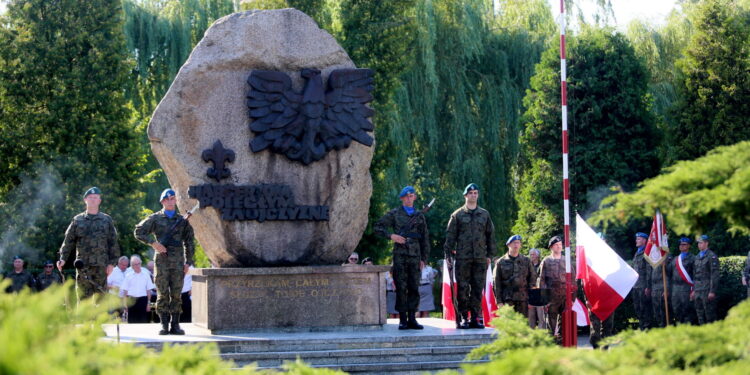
402,368
352,343
353,357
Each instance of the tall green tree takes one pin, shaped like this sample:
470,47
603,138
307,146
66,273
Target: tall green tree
612,132
714,109
63,66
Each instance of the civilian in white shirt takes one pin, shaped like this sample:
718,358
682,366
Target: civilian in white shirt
117,276
137,287
187,299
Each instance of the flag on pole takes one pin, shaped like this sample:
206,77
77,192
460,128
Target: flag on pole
449,311
489,304
582,313
607,279
656,248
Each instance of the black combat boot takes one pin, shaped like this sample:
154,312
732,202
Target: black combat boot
412,323
474,323
464,321
176,325
164,324
402,323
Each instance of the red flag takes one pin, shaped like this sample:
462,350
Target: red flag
656,247
607,279
582,313
449,311
489,305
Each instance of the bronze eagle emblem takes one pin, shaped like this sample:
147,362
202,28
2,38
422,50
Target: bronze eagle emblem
305,126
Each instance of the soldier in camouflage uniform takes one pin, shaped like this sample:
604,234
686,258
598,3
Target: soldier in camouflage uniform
172,258
641,291
658,306
93,236
552,281
681,285
746,274
514,275
706,268
19,277
470,241
407,228
46,278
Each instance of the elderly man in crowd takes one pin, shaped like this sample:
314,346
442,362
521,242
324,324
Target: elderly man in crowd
136,292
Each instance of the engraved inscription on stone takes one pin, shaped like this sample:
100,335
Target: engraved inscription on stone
308,287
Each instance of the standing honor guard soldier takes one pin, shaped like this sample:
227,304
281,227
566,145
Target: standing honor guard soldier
93,236
514,275
682,283
47,277
407,228
706,268
642,288
658,304
552,281
171,236
470,242
19,277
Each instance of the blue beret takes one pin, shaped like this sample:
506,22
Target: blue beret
48,263
17,257
93,190
513,238
703,238
469,187
407,190
685,240
641,234
166,194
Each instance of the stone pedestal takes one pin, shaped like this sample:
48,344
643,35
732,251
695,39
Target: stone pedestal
293,298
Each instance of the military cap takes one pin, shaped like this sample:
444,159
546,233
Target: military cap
642,235
703,238
407,190
470,187
93,190
553,240
513,238
48,263
685,240
166,194
17,257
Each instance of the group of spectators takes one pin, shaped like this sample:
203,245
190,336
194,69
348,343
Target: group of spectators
129,280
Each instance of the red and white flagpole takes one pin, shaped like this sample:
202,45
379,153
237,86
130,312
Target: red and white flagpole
570,329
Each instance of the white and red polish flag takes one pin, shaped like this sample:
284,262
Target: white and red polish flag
449,311
489,304
656,248
582,313
607,279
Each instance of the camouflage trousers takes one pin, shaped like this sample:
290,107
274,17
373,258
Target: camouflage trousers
168,289
470,277
643,311
659,317
682,307
704,308
554,312
600,329
406,275
91,280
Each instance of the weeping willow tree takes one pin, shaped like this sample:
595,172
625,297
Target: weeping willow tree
458,106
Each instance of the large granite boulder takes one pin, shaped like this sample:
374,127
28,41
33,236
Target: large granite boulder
207,103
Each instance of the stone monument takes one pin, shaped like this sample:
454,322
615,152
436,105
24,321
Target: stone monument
267,127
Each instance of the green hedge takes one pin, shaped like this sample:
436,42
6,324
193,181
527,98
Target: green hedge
722,347
39,335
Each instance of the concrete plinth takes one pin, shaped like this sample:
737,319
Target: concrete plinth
289,298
